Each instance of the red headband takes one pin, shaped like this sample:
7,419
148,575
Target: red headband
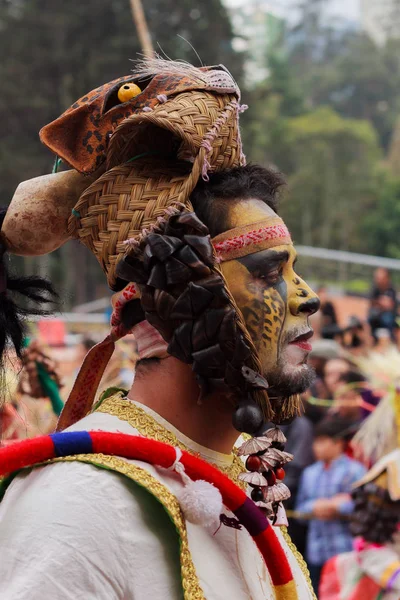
255,237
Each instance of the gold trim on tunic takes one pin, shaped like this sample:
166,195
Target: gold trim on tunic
190,582
125,410
147,426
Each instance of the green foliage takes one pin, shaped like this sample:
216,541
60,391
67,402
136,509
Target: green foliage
358,286
362,81
381,225
326,117
332,171
343,68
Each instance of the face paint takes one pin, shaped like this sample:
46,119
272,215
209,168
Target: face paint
274,301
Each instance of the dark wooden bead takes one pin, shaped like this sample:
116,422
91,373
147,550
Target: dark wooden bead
248,418
257,495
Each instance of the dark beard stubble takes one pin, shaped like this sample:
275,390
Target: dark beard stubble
284,384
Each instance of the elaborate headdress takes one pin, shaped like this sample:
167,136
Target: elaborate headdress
145,140
138,146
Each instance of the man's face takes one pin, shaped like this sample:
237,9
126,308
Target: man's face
275,304
381,278
334,369
347,403
326,448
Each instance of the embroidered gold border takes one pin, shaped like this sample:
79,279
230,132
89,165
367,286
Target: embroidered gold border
190,582
147,426
127,411
299,559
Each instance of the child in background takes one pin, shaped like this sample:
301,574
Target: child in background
324,492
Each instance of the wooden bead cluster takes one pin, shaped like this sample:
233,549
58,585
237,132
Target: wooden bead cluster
266,458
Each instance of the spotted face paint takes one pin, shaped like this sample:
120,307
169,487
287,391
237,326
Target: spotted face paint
274,300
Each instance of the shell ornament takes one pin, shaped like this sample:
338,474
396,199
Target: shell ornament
266,458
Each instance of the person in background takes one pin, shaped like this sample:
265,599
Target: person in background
356,399
348,400
383,341
323,351
298,435
327,309
383,306
333,370
396,333
357,338
82,349
324,493
37,396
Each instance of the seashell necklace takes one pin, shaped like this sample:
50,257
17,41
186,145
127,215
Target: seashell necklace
266,458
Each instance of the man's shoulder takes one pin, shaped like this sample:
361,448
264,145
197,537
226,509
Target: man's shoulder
106,528
60,480
80,497
72,486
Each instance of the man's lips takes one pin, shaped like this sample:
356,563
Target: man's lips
301,341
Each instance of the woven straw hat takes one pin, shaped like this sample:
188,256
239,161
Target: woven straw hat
197,130
124,204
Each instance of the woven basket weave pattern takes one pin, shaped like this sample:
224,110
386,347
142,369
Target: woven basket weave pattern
129,198
188,116
122,203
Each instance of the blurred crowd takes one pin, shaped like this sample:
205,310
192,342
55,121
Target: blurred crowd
356,363
34,391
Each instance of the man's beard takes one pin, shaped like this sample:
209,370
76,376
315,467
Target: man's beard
287,380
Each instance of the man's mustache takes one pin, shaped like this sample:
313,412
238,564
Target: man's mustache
303,333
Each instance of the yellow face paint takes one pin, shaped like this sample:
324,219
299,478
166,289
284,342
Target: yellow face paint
274,301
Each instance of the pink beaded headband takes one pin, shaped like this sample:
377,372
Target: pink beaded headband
255,237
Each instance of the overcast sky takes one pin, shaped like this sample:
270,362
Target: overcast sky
349,9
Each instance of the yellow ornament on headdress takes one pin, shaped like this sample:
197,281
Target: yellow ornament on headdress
128,91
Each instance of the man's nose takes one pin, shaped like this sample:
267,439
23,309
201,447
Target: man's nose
310,306
304,300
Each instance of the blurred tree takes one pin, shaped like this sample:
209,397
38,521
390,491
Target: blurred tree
340,66
331,156
363,82
331,167
380,226
54,52
393,157
332,178
271,103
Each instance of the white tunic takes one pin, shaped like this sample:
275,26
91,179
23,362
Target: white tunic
72,531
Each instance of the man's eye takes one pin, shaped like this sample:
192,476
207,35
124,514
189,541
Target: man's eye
271,277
